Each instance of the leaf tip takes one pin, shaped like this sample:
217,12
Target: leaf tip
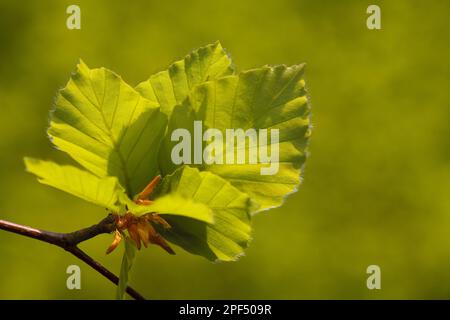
81,64
29,162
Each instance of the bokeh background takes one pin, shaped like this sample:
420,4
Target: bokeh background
377,184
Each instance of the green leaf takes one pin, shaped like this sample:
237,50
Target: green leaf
183,116
265,98
170,87
101,191
127,263
173,204
229,235
106,126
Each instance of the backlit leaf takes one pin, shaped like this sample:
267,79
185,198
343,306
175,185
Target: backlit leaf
106,126
264,98
127,263
174,204
226,238
101,191
170,87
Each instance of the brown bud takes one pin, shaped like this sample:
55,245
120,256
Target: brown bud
115,243
134,235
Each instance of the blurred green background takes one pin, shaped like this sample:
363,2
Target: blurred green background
377,184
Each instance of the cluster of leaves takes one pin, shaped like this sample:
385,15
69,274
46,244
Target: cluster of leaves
120,135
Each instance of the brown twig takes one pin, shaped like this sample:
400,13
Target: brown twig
69,242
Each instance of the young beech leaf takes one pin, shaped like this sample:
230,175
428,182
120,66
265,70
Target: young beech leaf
101,191
127,263
173,204
108,127
224,239
183,116
170,87
264,98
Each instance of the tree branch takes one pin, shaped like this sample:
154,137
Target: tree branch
69,242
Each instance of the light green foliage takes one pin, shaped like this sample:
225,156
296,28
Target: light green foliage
121,135
171,87
228,236
108,127
84,185
173,203
269,97
127,263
